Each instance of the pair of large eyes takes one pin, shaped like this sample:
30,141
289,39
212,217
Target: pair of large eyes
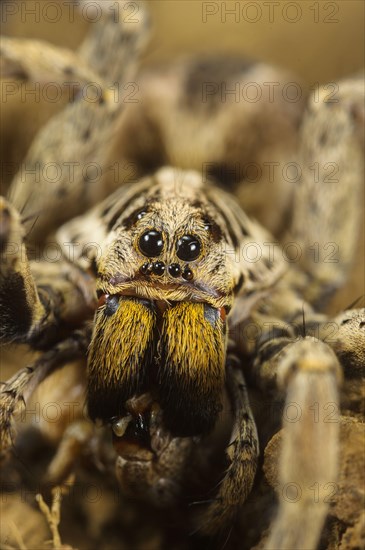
151,244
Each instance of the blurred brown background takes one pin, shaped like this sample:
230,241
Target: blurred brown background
319,40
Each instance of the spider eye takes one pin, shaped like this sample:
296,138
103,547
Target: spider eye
188,248
151,243
141,213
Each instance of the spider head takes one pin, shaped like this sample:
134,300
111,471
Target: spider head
168,244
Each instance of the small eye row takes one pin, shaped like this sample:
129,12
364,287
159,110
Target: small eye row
151,244
174,270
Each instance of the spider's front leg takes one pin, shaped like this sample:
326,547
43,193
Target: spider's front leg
20,303
242,455
41,301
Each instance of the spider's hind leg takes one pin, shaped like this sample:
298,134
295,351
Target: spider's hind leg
326,210
76,140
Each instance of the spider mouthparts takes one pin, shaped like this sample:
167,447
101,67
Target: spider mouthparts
135,443
134,437
120,425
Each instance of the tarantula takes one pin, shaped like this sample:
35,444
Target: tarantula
161,280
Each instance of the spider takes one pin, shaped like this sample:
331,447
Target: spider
180,311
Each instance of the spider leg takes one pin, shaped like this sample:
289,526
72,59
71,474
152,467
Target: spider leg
16,391
284,317
332,163
242,456
348,341
41,301
37,61
309,372
65,170
298,353
53,76
75,440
